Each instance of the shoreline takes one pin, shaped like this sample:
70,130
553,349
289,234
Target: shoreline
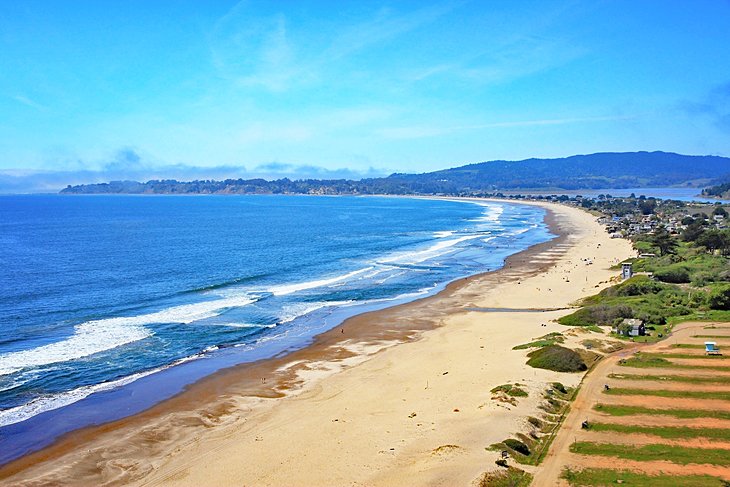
188,373
210,405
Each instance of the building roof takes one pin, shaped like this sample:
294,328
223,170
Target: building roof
633,322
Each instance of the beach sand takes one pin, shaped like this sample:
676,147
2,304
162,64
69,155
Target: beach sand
393,397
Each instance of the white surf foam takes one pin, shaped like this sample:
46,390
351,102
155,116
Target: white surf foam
443,234
54,401
294,311
98,336
437,250
492,213
48,403
285,289
243,325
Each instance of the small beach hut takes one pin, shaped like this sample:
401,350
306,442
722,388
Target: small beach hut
711,348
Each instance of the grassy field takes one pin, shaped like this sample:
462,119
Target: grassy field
639,361
652,453
692,346
619,410
672,378
600,476
685,355
664,431
620,391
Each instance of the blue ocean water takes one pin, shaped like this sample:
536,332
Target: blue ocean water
102,294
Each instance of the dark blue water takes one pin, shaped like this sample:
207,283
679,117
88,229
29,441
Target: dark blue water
100,294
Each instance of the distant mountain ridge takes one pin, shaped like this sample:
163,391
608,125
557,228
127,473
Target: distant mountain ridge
592,171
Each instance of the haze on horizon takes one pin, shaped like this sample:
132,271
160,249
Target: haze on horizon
92,91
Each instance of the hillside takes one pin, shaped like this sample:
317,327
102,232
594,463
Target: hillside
593,171
718,191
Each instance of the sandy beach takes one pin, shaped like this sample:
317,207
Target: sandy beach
393,397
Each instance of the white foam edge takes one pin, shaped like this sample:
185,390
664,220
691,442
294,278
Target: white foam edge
42,404
286,289
98,336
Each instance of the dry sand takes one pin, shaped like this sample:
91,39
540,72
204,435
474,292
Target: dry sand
397,397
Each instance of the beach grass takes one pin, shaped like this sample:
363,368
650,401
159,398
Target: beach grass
603,477
664,431
549,339
513,390
672,378
620,410
655,452
510,477
621,391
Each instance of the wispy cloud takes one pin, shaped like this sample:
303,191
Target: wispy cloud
273,53
414,132
29,103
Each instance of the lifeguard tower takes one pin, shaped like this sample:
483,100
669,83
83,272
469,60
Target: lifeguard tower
711,348
627,270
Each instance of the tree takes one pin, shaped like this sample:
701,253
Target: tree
693,231
720,211
647,206
664,242
720,298
714,240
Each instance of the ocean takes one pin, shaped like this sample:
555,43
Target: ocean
109,304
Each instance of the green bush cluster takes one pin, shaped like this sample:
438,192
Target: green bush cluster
674,273
719,298
555,357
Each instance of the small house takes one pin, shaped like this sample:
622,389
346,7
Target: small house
630,327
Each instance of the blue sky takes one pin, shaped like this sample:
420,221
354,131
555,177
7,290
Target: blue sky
165,88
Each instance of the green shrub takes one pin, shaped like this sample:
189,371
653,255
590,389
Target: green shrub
600,314
555,357
635,286
720,298
518,446
559,387
675,274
